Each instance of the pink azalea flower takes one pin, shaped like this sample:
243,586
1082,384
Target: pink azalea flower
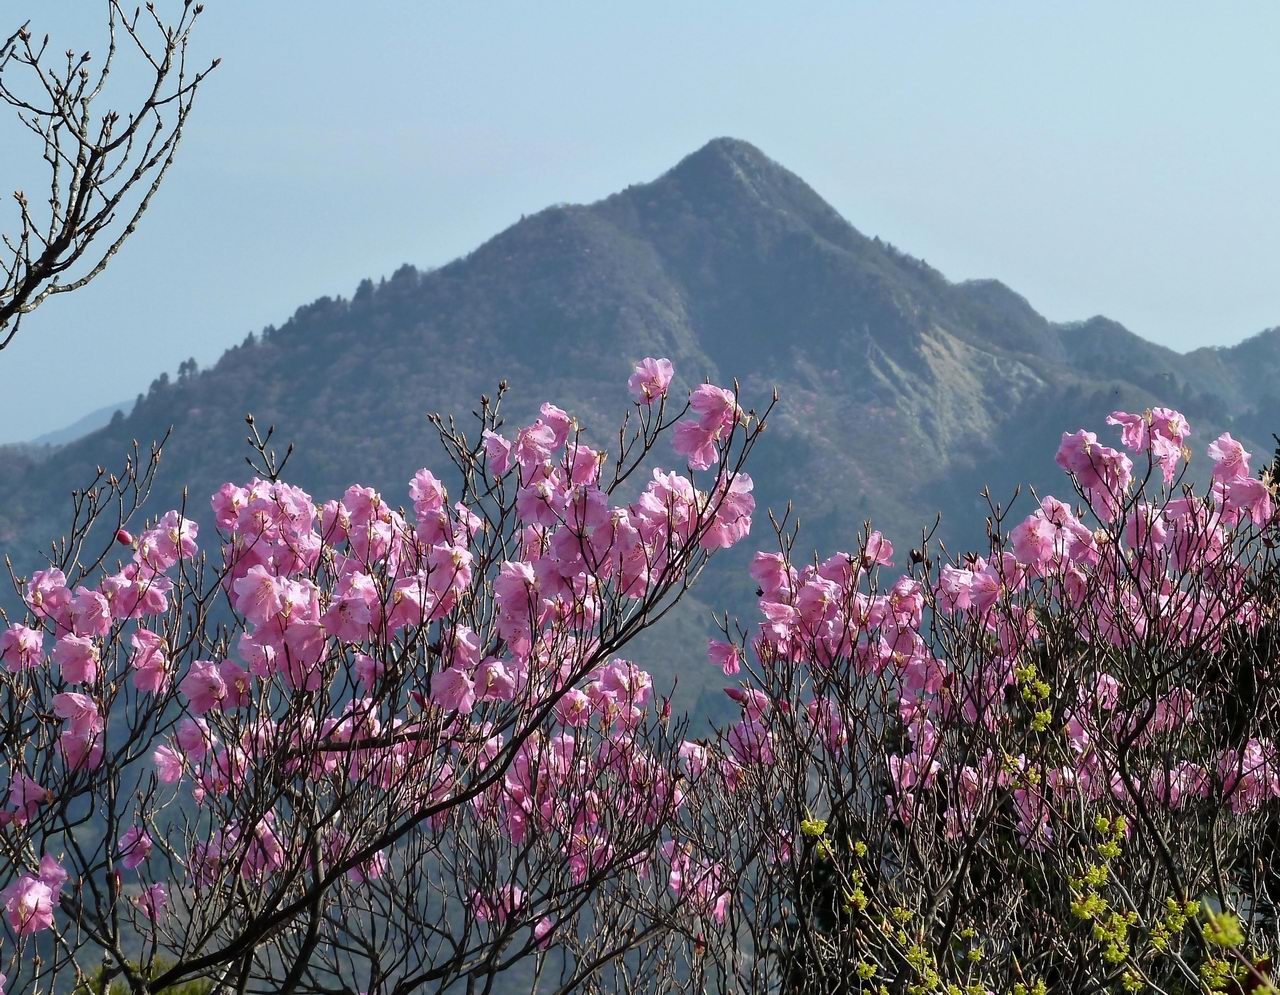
368,670
560,422
28,905
427,492
203,686
1103,473
169,764
498,906
90,613
77,659
1252,497
236,680
48,597
150,661
80,749
257,595
494,681
194,738
134,847
498,452
350,615
573,709
21,647
52,873
726,656
732,522
651,379
717,408
1133,430
80,710
25,797
542,933
697,444
1230,459
454,690
153,901
879,550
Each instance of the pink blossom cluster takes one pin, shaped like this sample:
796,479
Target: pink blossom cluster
1159,569
409,653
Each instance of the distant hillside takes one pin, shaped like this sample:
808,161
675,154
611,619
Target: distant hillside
81,427
902,392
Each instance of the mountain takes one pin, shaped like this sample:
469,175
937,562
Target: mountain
902,392
79,428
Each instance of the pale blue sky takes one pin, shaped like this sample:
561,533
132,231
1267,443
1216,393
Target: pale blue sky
1113,158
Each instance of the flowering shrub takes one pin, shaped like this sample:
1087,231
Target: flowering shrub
368,749
363,748
1050,767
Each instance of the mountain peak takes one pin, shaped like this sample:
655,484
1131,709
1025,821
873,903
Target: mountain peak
729,161
731,175
727,148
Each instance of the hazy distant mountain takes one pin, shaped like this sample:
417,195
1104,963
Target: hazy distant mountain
81,427
901,391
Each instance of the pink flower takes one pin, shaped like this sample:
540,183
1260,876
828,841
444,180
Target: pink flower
726,656
90,613
697,444
1230,459
257,595
236,680
560,422
428,493
1103,473
28,905
717,408
955,586
351,613
1169,432
52,873
204,687
573,709
25,797
497,906
454,690
150,661
152,901
498,452
650,380
494,681
1133,430
751,742
168,763
48,597
879,550
534,444
772,573
626,682
542,931
77,658
371,869
368,670
21,648
80,748
134,847
194,738
80,710
825,716
1252,497
732,521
